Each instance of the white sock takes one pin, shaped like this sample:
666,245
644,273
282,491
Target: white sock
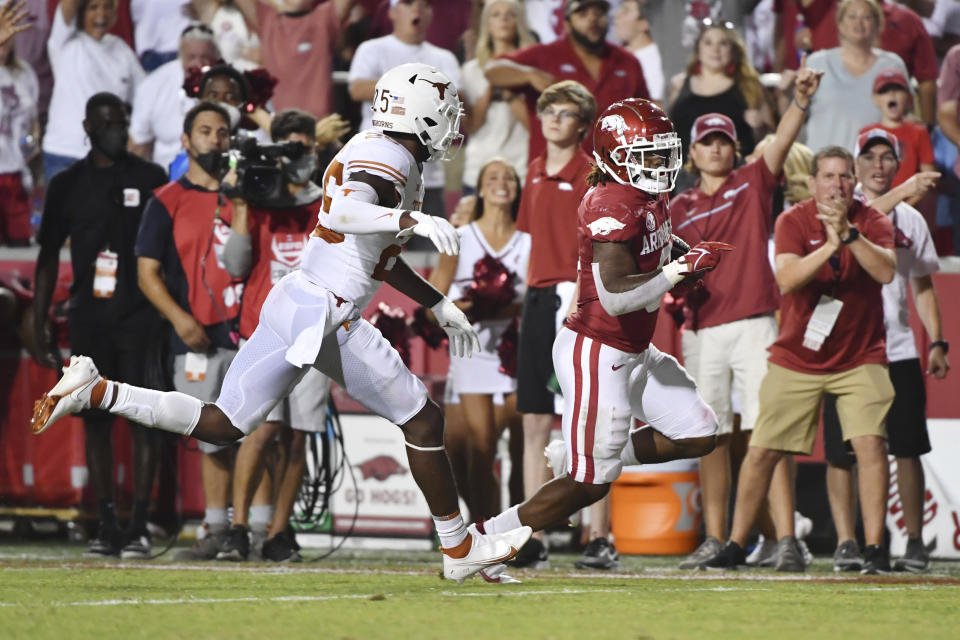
260,515
216,518
451,529
506,521
168,410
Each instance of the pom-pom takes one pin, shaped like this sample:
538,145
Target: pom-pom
430,331
392,323
492,289
507,348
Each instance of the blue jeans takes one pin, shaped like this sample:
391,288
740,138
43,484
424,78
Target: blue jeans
54,164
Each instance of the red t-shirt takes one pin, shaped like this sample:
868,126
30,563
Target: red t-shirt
619,213
915,148
299,52
548,212
621,76
903,34
739,213
858,337
278,238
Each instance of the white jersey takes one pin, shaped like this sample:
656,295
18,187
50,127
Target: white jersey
352,266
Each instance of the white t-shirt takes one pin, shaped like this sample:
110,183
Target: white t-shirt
374,57
158,109
917,260
501,134
83,67
157,24
233,37
18,109
652,63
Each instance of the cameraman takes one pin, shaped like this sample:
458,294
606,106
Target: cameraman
266,244
179,248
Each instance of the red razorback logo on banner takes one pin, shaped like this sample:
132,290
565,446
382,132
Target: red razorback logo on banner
381,468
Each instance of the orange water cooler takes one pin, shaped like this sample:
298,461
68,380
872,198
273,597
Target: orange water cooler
655,509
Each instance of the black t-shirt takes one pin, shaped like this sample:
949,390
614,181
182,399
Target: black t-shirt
690,106
100,209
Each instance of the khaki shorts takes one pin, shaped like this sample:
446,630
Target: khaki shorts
790,405
730,359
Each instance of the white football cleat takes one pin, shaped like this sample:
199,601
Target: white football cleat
486,550
70,395
497,575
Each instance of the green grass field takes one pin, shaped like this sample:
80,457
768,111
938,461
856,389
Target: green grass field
49,591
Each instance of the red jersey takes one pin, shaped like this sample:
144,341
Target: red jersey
619,213
858,337
278,238
915,148
548,212
739,213
621,76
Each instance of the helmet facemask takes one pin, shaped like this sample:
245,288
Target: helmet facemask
441,137
642,170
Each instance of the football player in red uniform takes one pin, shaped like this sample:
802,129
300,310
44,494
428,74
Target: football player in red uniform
608,371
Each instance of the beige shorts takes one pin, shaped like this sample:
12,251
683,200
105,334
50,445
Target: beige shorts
730,359
790,405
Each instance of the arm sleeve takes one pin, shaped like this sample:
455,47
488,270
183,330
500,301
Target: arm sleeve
155,232
238,254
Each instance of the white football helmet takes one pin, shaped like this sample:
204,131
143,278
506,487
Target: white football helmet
419,99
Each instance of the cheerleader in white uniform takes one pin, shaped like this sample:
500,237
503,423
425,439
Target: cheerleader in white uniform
487,397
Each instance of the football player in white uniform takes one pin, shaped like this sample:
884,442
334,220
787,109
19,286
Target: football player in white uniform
372,193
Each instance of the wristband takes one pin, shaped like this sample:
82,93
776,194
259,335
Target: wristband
943,344
852,234
675,271
804,109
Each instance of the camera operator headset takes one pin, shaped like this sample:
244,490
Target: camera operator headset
275,208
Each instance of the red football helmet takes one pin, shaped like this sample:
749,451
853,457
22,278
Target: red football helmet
634,143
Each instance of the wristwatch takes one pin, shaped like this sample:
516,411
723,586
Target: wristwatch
943,344
852,234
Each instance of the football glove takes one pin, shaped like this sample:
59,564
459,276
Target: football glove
463,339
705,256
441,233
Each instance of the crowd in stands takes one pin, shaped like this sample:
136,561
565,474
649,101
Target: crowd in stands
105,92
